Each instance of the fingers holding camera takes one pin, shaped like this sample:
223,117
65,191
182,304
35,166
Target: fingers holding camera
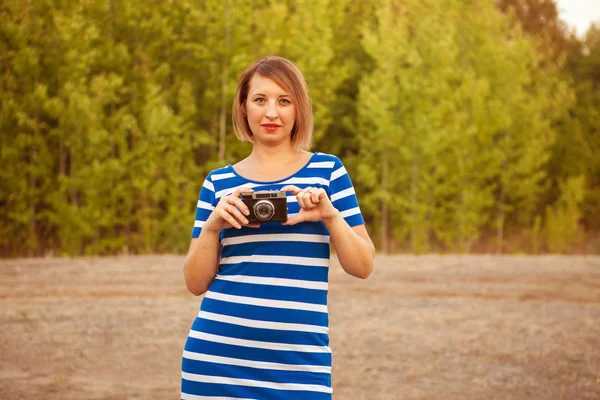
307,198
292,189
310,197
238,203
317,194
237,207
229,211
300,194
230,214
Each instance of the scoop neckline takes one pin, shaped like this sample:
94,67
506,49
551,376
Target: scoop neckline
272,182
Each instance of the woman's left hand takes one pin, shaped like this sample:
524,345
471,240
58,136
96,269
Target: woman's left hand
314,205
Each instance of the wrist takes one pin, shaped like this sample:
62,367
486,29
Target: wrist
212,225
332,217
207,230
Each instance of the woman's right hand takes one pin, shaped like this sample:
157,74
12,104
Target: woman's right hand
230,212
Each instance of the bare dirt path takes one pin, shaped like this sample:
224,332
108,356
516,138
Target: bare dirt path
430,327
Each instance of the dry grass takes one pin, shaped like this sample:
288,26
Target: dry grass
431,327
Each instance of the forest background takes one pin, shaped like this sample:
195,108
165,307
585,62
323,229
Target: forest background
466,126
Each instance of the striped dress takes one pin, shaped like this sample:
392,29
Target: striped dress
262,328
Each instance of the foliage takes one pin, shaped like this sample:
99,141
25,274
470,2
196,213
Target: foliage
562,220
456,123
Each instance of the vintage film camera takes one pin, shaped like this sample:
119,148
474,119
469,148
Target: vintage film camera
266,206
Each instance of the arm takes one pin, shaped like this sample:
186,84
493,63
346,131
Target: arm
202,261
353,246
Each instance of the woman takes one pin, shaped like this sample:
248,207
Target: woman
261,332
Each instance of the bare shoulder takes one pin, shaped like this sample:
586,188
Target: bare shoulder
307,155
242,164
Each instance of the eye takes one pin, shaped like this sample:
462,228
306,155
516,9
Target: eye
285,102
259,100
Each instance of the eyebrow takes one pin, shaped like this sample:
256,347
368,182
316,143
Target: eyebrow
262,94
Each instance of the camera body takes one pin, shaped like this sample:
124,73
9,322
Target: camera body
266,206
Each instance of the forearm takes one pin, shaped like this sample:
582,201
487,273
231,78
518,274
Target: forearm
354,252
202,261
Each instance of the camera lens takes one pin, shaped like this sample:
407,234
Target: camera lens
264,210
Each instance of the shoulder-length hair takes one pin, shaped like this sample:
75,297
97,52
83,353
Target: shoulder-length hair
288,76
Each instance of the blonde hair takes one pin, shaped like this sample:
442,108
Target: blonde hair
284,73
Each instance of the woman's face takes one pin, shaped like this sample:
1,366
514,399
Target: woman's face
270,111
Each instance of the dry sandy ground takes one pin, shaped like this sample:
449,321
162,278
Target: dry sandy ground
430,327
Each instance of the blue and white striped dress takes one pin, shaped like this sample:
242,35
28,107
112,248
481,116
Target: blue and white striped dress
262,329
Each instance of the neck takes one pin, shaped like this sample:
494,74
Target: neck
273,155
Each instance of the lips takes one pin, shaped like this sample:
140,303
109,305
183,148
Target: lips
271,127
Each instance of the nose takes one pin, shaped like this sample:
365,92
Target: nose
271,111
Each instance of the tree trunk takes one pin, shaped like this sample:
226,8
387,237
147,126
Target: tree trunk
32,212
500,223
224,78
223,115
384,205
413,202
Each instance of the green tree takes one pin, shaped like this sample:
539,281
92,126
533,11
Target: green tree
562,227
577,149
460,100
